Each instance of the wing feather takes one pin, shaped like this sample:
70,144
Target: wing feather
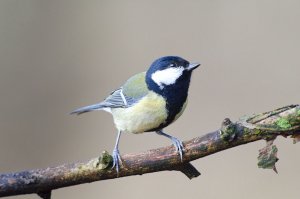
132,91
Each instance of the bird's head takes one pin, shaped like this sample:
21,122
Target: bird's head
169,72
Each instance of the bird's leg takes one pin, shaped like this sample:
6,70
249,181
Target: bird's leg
116,155
177,143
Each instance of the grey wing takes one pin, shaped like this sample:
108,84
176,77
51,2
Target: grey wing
115,100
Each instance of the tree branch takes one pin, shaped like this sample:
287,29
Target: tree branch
283,121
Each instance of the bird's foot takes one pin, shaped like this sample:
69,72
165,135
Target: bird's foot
116,159
176,142
178,146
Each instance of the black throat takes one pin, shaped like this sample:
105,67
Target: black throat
174,94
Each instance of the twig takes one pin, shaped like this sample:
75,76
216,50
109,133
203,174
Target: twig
284,121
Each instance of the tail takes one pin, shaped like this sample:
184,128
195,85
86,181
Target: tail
88,109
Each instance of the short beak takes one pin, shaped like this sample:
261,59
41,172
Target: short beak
193,66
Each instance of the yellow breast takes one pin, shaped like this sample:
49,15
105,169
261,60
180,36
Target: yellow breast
145,115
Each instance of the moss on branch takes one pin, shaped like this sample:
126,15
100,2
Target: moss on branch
284,121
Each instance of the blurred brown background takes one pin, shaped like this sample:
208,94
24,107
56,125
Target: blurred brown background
56,56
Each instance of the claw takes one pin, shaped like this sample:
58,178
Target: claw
178,146
116,159
176,142
116,155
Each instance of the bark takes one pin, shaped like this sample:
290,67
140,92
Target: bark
283,121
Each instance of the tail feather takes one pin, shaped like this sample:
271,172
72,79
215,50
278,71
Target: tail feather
88,109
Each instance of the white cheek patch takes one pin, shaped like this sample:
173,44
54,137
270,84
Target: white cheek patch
167,77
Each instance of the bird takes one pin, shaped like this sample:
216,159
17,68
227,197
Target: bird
148,101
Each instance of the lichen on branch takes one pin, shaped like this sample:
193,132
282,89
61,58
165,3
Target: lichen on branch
284,121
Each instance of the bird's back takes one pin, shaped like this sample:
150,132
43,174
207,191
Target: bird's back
135,87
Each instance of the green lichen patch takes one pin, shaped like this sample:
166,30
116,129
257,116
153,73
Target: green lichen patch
298,112
104,161
257,131
203,147
228,130
283,123
292,120
268,156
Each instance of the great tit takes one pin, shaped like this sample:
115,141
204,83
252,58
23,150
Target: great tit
149,101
